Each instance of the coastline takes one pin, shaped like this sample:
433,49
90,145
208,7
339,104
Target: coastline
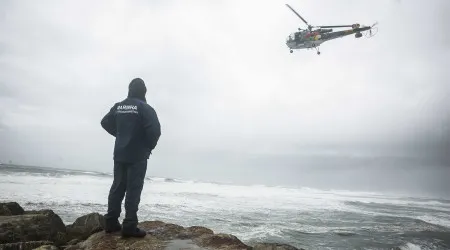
44,229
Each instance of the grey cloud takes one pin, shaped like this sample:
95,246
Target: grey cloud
5,90
3,127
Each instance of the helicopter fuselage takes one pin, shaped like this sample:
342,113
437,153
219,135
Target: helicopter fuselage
308,38
313,39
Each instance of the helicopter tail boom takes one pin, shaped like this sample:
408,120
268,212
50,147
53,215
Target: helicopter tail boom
337,34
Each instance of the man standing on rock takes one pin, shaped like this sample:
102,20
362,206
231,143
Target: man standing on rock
136,128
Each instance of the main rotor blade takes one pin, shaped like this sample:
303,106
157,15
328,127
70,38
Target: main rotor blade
335,26
297,14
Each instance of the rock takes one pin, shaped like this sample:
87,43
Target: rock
44,230
274,246
43,211
10,208
161,230
220,241
73,242
85,226
168,231
196,231
47,247
72,248
160,236
24,245
44,226
103,241
183,244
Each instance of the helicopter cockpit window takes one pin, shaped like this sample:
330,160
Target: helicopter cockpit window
291,37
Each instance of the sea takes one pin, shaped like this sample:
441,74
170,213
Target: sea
302,217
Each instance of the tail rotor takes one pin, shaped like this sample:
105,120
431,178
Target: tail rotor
369,33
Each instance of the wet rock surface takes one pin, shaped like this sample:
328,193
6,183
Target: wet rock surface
220,241
44,230
46,226
85,226
10,208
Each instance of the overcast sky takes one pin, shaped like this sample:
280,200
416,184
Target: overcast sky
230,97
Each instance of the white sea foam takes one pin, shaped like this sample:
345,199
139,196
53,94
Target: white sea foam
436,220
410,246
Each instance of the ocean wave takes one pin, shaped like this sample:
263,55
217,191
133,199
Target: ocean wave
410,246
262,232
51,204
163,179
426,240
384,201
434,220
405,206
402,223
432,215
48,172
196,195
345,234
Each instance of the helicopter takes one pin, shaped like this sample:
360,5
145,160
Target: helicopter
312,39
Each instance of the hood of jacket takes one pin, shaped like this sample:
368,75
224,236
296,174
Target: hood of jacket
137,89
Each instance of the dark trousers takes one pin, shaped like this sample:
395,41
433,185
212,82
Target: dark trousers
129,179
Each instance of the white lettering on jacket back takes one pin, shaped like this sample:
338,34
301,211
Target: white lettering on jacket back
123,109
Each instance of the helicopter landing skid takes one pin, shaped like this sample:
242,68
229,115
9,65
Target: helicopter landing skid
317,49
313,47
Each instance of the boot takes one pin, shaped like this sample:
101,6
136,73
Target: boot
111,227
136,232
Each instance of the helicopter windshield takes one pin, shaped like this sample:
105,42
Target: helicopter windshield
291,37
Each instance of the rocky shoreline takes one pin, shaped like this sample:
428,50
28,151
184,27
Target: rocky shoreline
44,230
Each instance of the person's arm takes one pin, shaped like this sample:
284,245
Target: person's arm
152,126
109,122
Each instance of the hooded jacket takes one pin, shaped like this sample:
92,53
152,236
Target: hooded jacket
134,124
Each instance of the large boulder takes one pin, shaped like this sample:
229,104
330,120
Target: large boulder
10,208
85,226
42,226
